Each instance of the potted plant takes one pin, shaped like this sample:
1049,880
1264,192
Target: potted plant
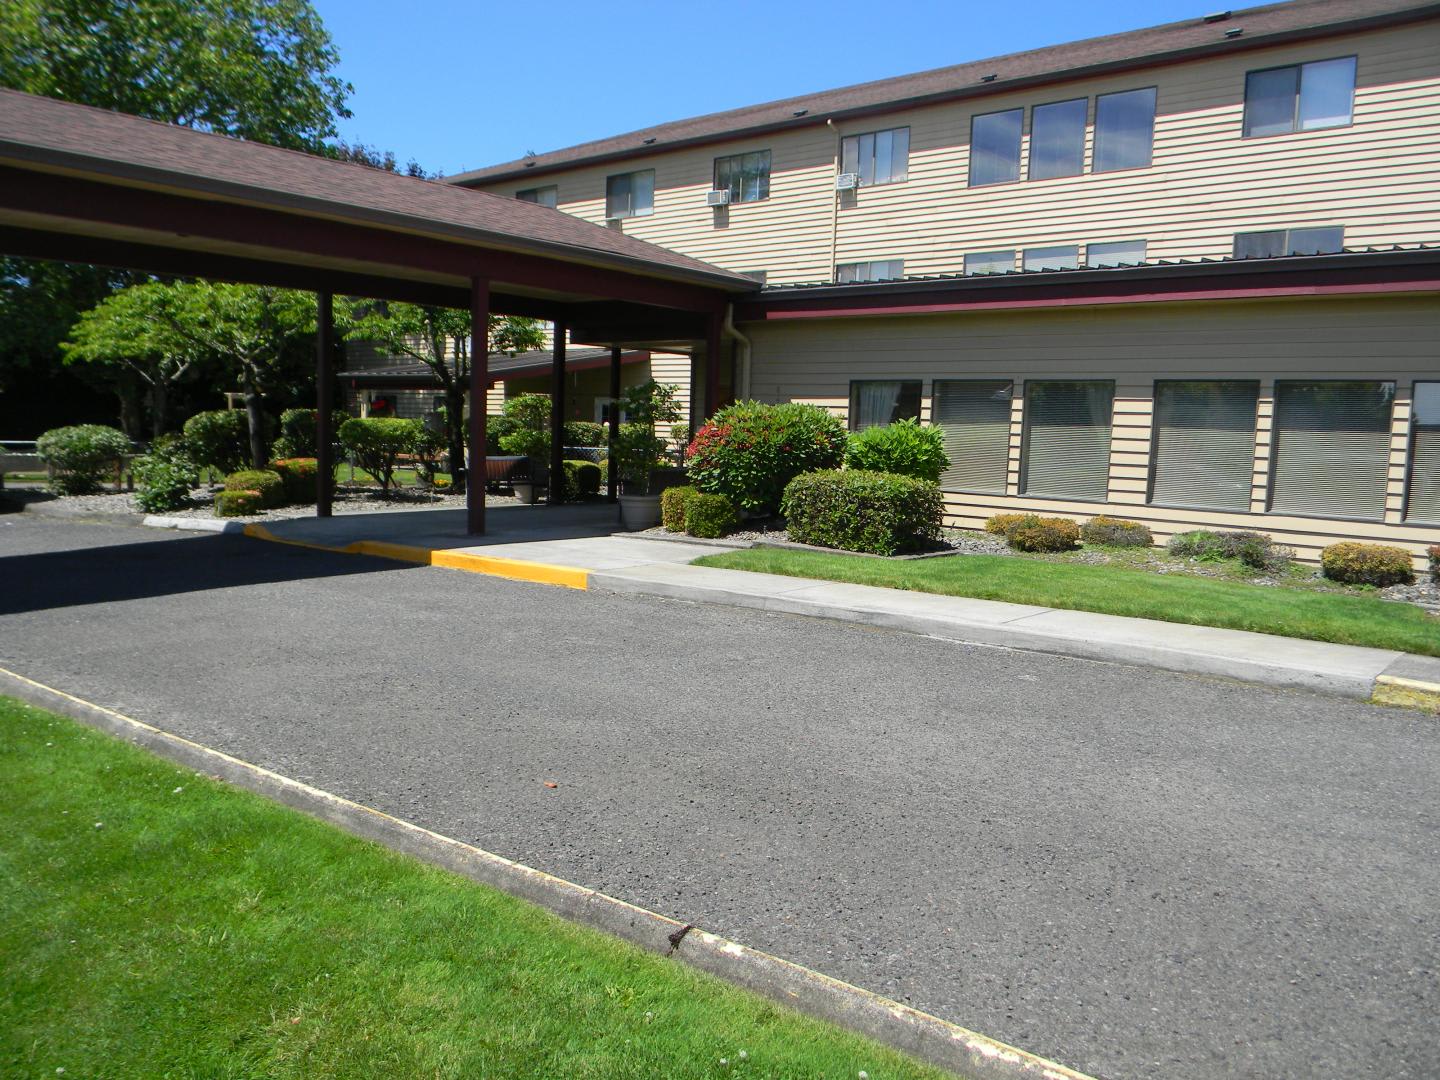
640,451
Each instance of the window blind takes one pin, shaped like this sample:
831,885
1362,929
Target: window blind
1423,503
1332,448
974,417
1067,439
1204,443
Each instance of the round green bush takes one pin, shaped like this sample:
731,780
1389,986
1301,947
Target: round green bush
906,448
1353,563
749,452
673,501
1199,544
582,479
1115,532
1001,524
164,477
710,516
1253,549
299,437
218,440
298,475
265,481
858,510
238,503
82,455
1043,534
584,433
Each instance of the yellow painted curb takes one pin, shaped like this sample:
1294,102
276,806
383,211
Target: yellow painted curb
1407,693
569,577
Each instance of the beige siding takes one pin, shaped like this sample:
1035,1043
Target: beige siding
1398,338
1376,177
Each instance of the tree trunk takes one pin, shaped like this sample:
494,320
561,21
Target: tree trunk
159,408
131,412
258,456
455,434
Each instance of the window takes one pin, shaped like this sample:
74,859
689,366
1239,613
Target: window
745,176
990,262
1423,501
1302,97
995,147
1204,450
877,401
1066,449
1124,130
544,196
1272,243
1064,257
1332,448
974,416
879,157
875,270
1057,139
630,194
1123,253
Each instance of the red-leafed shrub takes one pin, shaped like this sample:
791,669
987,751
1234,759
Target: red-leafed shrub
748,452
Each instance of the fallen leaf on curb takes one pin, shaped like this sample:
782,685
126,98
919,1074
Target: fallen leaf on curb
551,783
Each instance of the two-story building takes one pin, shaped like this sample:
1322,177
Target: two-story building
1188,275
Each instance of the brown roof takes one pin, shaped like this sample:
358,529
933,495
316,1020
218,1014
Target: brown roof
46,132
1268,25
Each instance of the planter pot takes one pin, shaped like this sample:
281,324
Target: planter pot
526,492
639,511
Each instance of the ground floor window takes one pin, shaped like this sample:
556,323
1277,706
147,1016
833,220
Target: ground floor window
1332,448
1204,443
974,415
1066,448
1423,501
883,401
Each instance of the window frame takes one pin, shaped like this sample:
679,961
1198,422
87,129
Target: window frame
1014,254
1025,258
1275,447
715,176
1413,438
1029,152
520,195
869,263
632,212
919,384
1026,423
1152,468
1295,128
859,168
1286,253
1094,162
1090,263
1004,483
1020,168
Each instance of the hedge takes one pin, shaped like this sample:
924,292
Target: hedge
860,510
710,516
582,479
218,440
238,503
905,447
749,452
1353,563
1115,532
673,501
265,482
298,475
81,455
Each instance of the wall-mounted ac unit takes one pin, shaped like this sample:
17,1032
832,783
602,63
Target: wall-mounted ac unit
847,181
717,198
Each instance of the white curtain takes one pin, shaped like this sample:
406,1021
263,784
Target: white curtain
876,404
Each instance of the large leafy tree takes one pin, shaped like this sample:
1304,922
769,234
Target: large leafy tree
257,69
440,339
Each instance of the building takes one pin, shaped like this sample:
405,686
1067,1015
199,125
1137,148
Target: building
1188,275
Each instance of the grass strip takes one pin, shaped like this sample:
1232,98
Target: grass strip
1113,590
156,923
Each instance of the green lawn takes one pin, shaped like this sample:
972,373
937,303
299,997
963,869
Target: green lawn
1115,590
198,930
402,478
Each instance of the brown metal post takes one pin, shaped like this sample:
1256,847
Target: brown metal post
712,366
324,403
479,388
556,493
612,488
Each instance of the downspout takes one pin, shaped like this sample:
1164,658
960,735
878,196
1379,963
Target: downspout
742,391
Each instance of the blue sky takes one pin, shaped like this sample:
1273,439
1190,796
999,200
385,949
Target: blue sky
459,84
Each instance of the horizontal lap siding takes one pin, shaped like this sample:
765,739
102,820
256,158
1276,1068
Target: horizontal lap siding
1399,339
1375,177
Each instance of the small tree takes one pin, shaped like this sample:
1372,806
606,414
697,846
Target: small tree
639,448
528,419
218,439
376,443
81,455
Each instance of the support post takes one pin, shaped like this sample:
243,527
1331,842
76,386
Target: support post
324,403
556,494
612,484
712,365
479,388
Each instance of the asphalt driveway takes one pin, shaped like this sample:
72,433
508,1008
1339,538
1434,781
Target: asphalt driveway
1135,873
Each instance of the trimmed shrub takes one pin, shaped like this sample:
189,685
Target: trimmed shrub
710,516
906,448
164,476
1255,550
673,501
496,428
1116,532
1353,563
584,433
298,475
750,452
265,481
298,435
1047,534
375,442
1001,524
238,503
81,455
1434,553
529,424
859,510
218,440
582,479
1199,544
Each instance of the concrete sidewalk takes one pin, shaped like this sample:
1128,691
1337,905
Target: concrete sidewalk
578,546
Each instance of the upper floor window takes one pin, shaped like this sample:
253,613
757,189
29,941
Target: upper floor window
874,270
630,194
995,147
1124,130
878,157
745,176
544,196
990,262
1271,243
1301,97
874,402
1060,257
1120,253
1057,139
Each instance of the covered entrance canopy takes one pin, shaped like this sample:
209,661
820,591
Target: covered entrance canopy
79,184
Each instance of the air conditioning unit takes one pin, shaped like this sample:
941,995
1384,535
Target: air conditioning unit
717,198
847,181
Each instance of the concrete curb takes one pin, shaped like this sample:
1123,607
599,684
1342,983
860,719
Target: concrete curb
921,1035
1407,693
189,524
